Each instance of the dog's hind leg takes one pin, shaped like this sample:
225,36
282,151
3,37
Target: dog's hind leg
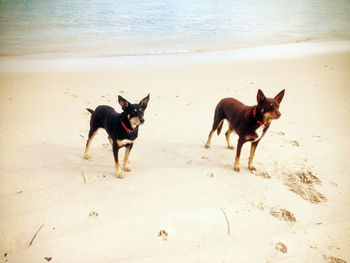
240,143
207,144
217,125
227,135
92,134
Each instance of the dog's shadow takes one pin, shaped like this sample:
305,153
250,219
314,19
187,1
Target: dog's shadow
181,154
65,161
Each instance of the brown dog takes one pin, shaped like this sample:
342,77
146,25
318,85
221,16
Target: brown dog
249,122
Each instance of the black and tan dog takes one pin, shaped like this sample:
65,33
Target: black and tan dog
249,122
122,128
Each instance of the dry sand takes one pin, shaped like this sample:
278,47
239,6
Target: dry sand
181,202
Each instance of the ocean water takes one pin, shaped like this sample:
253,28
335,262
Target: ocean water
112,28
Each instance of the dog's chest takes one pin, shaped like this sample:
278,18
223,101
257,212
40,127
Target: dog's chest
259,131
124,142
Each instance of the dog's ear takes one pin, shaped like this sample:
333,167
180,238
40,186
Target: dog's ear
144,102
260,97
123,102
279,96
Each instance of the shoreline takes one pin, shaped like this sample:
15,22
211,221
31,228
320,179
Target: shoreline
280,51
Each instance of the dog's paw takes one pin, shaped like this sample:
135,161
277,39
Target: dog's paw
127,168
87,156
207,146
252,168
230,147
236,168
119,172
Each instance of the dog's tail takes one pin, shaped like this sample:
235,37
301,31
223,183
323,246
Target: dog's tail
220,127
90,110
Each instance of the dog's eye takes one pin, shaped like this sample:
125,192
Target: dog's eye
135,110
140,109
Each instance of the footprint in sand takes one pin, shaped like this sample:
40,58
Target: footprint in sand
211,174
259,205
294,143
262,174
283,215
105,145
163,234
302,183
280,133
330,259
281,247
93,214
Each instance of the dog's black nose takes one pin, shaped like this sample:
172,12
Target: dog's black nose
142,120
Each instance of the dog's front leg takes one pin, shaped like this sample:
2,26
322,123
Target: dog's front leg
116,162
126,157
251,156
240,143
253,148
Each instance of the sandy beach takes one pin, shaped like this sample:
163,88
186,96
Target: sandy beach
181,202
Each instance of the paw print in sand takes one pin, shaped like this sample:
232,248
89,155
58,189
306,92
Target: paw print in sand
163,234
93,214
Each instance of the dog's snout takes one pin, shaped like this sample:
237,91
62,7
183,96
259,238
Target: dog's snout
142,120
278,114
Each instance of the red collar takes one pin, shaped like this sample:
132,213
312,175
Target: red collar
126,128
254,113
